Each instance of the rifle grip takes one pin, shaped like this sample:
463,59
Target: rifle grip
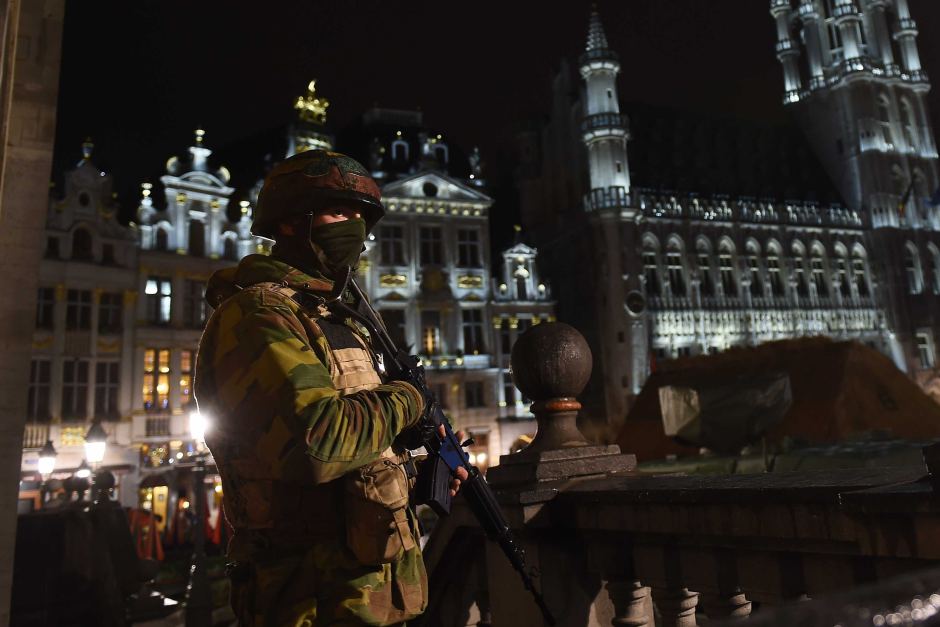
433,485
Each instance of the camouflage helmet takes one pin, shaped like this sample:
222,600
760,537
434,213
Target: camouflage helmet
311,180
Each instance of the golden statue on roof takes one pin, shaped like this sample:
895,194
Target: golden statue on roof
310,108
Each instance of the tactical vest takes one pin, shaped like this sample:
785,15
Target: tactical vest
296,510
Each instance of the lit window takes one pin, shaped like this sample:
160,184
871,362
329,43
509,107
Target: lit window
156,380
158,292
431,332
925,349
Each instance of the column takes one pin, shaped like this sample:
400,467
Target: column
631,600
811,26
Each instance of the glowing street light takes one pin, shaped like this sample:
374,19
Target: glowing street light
47,457
96,441
83,471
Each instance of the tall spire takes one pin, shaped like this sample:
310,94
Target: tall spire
603,129
596,40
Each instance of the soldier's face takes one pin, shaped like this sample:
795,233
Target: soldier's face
336,213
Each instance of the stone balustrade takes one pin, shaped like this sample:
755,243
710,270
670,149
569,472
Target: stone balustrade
609,546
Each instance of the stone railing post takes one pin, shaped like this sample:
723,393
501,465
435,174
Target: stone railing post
551,364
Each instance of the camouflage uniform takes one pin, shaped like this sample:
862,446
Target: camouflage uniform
299,424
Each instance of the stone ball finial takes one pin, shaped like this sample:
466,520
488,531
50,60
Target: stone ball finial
551,360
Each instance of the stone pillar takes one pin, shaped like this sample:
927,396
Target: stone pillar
733,605
676,606
631,601
29,80
551,363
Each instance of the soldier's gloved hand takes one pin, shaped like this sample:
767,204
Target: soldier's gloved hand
416,435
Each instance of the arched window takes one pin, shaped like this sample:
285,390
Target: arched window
818,271
913,270
842,270
729,284
675,269
704,259
934,260
774,270
860,272
81,244
884,119
651,268
908,125
230,250
753,269
162,240
441,153
799,270
197,238
399,150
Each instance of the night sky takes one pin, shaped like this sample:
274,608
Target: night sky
139,76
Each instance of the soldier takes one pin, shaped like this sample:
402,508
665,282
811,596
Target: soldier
314,482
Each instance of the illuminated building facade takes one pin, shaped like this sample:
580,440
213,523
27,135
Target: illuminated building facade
854,81
427,268
83,344
650,273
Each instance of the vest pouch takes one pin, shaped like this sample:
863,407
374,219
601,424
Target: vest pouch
378,529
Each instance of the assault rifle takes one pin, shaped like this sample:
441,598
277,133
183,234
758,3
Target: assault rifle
445,455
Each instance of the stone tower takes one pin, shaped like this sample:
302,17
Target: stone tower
852,76
603,129
618,290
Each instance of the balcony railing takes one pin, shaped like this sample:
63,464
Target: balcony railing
35,435
609,542
157,426
601,54
600,121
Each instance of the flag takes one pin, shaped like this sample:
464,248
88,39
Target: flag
907,196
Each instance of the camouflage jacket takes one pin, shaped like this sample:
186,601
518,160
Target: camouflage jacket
263,373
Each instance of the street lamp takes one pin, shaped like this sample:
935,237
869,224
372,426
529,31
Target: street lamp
198,596
96,440
83,471
47,457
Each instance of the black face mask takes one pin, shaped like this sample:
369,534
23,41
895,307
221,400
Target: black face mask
340,243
